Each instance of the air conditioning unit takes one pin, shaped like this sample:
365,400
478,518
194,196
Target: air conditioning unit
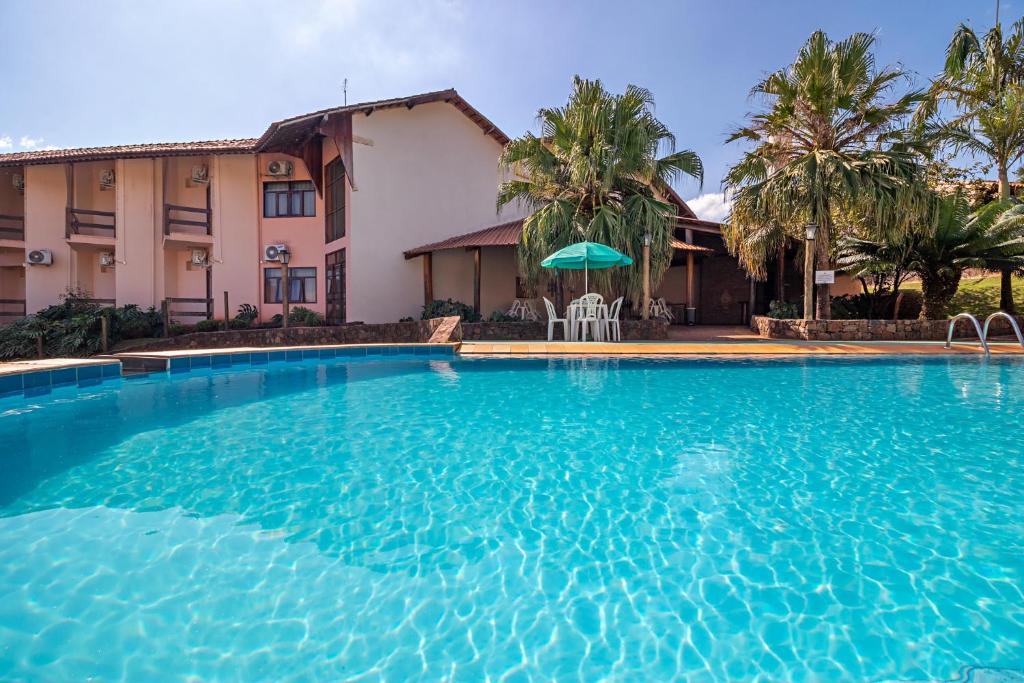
107,179
198,257
40,257
272,252
18,181
279,168
106,259
200,174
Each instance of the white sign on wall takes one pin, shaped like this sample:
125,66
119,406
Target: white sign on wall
824,277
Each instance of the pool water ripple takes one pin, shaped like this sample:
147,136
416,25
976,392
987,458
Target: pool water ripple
520,520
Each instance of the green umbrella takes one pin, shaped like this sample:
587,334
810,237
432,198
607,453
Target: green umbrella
584,256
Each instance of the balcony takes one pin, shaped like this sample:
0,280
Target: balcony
187,226
11,309
12,228
90,227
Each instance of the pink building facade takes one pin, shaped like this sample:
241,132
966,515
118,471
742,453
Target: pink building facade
347,190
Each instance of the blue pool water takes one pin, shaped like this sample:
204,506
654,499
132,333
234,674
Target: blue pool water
470,520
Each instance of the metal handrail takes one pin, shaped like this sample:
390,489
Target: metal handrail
1013,324
977,328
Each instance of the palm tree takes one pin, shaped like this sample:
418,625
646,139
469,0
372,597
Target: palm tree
983,82
595,172
829,142
949,240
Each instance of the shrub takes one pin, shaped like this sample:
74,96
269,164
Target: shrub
131,322
407,319
502,317
301,316
209,325
247,313
784,310
18,339
443,309
177,329
236,324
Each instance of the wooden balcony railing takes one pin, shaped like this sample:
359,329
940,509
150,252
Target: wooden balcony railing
99,222
12,227
172,218
169,315
12,308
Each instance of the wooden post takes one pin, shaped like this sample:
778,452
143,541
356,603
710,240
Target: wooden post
166,314
780,287
476,280
104,333
284,293
647,281
428,278
39,346
690,276
753,301
227,311
809,280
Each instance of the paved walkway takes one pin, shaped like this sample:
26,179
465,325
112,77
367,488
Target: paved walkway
20,366
755,347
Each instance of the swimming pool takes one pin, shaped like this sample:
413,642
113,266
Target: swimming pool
581,519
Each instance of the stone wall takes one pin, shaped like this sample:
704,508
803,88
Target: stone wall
632,330
872,330
397,333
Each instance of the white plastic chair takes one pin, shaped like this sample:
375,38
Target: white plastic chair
589,316
553,318
660,309
527,311
613,330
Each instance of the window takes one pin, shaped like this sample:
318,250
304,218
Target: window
335,201
294,198
335,283
301,286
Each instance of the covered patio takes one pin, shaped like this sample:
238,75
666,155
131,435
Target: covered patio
703,285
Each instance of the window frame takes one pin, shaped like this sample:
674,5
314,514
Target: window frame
305,291
304,195
335,259
334,201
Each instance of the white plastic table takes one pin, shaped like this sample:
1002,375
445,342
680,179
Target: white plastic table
576,310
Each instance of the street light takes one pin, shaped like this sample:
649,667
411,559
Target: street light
811,232
647,276
285,256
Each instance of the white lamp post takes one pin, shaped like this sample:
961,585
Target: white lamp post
647,276
811,233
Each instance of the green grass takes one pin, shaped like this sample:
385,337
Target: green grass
979,295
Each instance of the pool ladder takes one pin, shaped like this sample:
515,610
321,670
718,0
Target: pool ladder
983,331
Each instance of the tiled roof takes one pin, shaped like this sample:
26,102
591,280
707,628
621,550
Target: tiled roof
699,225
297,127
507,235
504,235
286,130
159,149
686,246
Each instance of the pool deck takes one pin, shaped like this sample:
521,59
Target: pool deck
754,347
18,367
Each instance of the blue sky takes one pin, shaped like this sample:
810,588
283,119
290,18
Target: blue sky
101,72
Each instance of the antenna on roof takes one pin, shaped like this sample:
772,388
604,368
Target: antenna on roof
344,91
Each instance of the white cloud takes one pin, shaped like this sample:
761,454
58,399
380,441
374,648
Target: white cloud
6,142
29,143
712,206
400,39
